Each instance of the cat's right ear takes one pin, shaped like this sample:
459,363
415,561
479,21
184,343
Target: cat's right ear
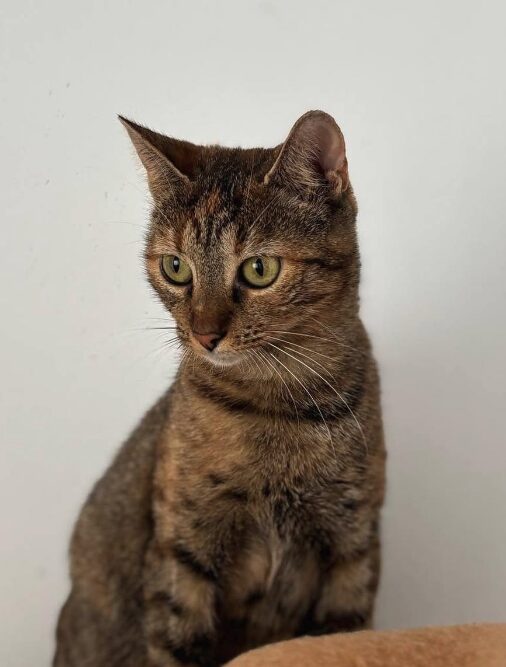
170,163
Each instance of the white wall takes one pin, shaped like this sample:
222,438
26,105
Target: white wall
419,90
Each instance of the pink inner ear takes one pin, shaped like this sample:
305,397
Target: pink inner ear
330,143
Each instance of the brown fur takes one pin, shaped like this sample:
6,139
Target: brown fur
457,646
245,508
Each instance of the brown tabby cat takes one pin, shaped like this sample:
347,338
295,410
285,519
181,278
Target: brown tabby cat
245,507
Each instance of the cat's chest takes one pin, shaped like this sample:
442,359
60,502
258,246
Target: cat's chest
286,527
271,583
294,531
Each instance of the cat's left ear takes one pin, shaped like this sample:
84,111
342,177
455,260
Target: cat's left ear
170,163
313,155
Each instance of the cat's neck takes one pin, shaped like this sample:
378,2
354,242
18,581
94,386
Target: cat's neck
297,369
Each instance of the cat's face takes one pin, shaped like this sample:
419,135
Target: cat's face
246,245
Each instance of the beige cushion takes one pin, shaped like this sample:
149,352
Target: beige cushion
479,645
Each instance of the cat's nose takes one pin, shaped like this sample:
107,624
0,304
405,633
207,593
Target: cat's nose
208,340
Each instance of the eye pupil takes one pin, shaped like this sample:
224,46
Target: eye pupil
258,266
176,264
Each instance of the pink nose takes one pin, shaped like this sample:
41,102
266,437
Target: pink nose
208,340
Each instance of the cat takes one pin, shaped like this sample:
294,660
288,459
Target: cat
245,507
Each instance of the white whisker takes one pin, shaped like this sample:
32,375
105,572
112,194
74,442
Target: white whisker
340,396
310,396
284,383
302,347
304,335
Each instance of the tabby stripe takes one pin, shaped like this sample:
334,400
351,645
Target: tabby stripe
254,597
240,495
192,651
166,599
304,299
215,479
332,264
212,393
185,557
346,622
334,622
331,411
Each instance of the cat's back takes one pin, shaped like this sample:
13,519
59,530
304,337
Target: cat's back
107,552
117,511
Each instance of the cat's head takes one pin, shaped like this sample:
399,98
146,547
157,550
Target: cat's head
246,245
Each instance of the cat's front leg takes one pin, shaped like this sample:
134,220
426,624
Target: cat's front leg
179,597
346,599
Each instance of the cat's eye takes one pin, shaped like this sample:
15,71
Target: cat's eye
260,271
176,270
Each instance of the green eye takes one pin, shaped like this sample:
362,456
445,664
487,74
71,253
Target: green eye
176,270
260,271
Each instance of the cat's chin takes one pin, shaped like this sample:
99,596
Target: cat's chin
222,359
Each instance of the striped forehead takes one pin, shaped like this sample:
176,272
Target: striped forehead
210,222
209,237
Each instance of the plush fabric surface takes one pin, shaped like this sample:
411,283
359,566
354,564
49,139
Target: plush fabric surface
480,645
